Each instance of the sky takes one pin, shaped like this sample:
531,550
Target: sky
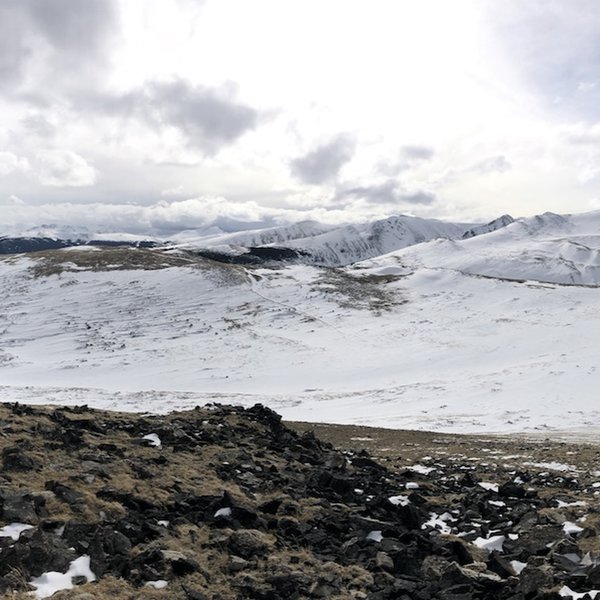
164,115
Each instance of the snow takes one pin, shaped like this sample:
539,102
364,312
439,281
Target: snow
330,245
223,512
399,500
14,530
153,439
553,466
567,591
563,249
494,542
571,528
518,566
421,469
53,581
421,343
439,522
492,487
496,503
375,536
159,584
561,504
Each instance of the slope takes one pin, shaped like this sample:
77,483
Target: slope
381,343
562,249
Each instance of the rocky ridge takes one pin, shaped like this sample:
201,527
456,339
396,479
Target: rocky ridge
224,503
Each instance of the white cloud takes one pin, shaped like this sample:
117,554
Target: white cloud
64,168
10,163
166,218
492,164
442,118
174,192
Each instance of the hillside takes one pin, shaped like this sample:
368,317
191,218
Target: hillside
561,249
335,246
222,503
465,336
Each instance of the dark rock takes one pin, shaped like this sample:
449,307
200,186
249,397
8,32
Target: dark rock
21,506
191,594
384,561
65,493
499,565
511,490
533,579
183,566
35,553
13,459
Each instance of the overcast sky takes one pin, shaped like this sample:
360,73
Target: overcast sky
174,114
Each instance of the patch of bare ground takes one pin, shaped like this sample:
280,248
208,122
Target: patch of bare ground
367,292
54,262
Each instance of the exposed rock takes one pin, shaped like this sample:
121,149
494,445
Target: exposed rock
14,459
234,504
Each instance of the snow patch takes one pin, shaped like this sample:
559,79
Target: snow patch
494,542
153,439
14,530
53,581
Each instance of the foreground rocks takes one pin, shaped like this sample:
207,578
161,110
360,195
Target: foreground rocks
224,503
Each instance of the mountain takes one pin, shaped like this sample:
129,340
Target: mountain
498,223
52,237
253,237
313,243
307,242
496,332
562,249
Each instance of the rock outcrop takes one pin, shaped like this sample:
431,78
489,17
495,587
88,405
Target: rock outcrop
223,503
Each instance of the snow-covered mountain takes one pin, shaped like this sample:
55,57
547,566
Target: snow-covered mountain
551,248
353,243
280,235
51,237
314,243
459,335
307,242
498,223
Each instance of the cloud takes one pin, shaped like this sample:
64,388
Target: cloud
390,192
582,134
408,157
60,37
9,163
323,164
207,118
173,192
161,219
417,153
64,168
38,125
77,30
492,164
13,200
164,219
555,46
14,51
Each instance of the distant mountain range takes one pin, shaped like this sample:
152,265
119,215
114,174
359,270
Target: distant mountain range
547,247
456,327
307,242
